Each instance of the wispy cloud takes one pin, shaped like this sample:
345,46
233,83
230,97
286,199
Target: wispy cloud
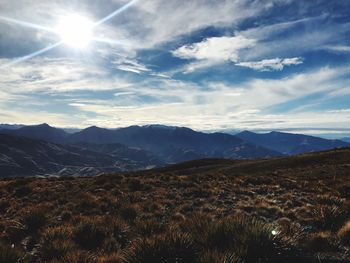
271,64
53,75
338,49
130,65
222,105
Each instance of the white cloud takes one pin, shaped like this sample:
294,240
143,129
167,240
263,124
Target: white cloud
55,75
164,21
208,106
217,105
214,50
276,64
338,49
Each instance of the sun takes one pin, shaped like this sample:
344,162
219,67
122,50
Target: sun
75,31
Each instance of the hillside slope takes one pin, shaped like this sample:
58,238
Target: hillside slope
290,209
21,156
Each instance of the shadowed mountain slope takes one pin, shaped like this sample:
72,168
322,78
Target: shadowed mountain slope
21,156
175,144
39,132
290,144
347,139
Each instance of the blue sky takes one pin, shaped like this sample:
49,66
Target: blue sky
206,64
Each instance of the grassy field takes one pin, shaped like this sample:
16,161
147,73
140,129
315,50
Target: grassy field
294,209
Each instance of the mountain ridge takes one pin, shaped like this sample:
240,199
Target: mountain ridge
290,143
140,147
21,156
172,144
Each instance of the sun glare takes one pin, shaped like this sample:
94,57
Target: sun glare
75,31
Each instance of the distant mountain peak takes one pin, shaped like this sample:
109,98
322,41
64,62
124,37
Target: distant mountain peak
276,132
43,125
246,132
92,128
164,127
291,143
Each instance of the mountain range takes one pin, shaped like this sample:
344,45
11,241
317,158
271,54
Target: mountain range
45,150
290,144
20,156
347,139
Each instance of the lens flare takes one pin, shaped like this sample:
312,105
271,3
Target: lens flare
75,31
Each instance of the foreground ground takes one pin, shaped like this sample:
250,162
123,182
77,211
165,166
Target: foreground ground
293,209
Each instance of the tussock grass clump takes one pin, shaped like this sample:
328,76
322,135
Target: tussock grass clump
35,219
167,248
344,234
329,217
128,213
147,228
217,257
56,242
106,233
118,235
89,233
112,258
66,216
329,200
249,239
77,257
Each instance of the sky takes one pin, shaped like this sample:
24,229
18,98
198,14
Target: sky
206,64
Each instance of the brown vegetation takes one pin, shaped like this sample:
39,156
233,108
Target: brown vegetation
293,209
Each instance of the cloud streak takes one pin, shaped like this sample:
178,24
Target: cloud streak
276,64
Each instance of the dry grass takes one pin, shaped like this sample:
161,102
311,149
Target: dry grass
282,210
